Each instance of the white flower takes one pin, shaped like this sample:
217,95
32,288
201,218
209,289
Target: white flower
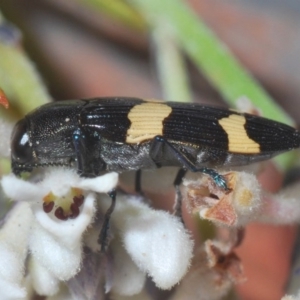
60,231
156,241
145,242
54,239
13,251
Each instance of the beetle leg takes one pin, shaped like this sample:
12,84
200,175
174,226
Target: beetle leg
138,182
177,183
78,142
103,236
218,178
178,198
186,163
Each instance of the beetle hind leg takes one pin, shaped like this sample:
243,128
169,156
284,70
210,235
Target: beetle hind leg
185,162
138,182
178,197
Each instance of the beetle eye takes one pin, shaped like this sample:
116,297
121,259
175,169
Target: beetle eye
21,150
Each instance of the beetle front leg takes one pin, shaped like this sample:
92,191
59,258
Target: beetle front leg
80,151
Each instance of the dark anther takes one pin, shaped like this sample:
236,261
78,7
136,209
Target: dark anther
75,211
47,207
59,214
78,200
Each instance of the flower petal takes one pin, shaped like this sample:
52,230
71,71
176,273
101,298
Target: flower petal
128,279
68,232
10,290
61,261
13,250
21,190
100,184
156,241
44,283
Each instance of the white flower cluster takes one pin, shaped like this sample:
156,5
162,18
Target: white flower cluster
44,238
49,239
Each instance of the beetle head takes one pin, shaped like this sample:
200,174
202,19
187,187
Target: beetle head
44,137
21,148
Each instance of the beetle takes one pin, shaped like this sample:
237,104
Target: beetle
121,134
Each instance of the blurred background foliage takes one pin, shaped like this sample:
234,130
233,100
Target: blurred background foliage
213,52
169,49
86,48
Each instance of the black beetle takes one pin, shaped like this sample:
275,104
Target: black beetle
119,134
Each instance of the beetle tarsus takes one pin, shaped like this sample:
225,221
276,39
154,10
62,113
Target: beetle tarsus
219,180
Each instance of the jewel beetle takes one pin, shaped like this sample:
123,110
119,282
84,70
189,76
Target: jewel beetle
120,134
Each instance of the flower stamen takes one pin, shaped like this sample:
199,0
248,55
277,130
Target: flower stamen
47,207
60,214
67,206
